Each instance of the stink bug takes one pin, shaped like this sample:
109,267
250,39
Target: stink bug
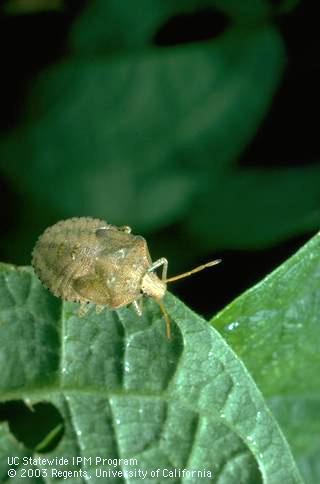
87,260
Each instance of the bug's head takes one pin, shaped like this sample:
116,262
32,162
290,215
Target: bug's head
152,286
156,288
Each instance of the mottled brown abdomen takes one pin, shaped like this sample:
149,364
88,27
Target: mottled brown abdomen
66,251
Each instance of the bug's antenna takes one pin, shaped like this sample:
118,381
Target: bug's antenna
165,317
196,269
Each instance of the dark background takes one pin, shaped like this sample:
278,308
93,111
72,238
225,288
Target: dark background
287,137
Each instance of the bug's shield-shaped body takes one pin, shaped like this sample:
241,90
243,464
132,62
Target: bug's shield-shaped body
87,260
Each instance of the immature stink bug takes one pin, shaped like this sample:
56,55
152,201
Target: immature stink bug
87,260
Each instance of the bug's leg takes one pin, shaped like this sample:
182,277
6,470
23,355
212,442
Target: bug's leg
137,304
165,317
125,228
99,308
84,308
160,262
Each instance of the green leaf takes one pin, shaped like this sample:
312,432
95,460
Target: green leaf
125,391
298,416
108,26
133,137
274,329
148,136
253,208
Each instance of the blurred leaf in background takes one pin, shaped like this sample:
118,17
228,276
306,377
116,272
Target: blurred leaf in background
18,7
142,124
